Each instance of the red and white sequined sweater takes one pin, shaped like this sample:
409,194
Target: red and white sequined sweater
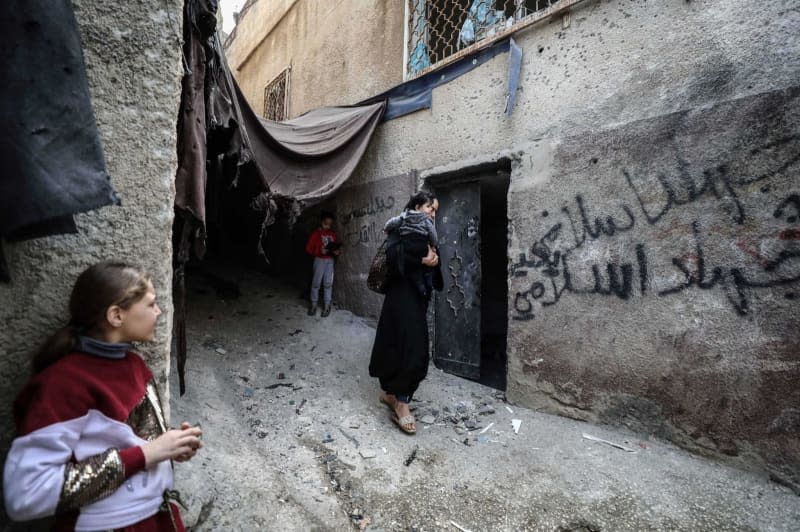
81,423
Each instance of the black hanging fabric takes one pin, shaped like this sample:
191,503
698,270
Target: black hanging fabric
50,147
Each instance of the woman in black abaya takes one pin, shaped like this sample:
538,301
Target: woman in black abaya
400,353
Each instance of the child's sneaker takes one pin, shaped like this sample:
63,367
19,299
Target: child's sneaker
312,309
326,311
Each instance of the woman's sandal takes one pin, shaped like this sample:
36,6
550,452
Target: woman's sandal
404,421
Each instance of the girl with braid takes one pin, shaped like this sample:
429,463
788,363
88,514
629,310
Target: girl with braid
92,447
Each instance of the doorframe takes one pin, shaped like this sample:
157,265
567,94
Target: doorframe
454,174
466,171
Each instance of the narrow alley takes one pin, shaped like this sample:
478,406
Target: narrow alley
581,216
295,439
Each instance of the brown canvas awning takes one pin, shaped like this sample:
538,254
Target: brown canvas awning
310,157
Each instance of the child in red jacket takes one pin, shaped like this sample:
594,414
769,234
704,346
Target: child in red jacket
323,246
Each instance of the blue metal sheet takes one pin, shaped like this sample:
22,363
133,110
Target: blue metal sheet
514,65
415,94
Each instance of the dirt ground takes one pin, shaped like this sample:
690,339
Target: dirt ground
295,439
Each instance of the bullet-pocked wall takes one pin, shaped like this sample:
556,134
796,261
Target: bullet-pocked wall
133,62
361,213
654,256
654,250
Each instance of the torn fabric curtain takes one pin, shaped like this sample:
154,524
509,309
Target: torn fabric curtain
54,164
306,159
299,163
198,89
310,157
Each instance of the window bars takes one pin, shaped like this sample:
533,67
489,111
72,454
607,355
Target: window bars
439,29
276,97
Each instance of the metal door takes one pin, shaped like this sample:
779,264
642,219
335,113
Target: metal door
457,324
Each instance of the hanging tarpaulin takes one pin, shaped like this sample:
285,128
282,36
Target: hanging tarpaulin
299,162
310,157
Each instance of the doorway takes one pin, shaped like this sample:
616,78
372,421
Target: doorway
471,312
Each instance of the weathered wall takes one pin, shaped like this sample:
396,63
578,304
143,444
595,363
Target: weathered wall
361,213
340,52
655,276
704,350
696,102
132,54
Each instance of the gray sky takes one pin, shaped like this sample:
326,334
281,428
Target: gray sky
227,7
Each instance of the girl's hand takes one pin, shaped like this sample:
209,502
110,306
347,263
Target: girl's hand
431,259
187,456
176,444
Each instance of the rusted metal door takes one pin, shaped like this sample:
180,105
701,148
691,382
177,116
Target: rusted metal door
457,329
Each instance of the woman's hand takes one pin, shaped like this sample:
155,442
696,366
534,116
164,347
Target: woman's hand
176,444
431,259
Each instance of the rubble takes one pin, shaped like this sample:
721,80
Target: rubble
349,437
352,422
486,410
611,443
459,527
412,456
279,385
502,481
472,424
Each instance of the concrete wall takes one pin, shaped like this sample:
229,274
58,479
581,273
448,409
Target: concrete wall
655,276
361,213
694,339
132,54
330,46
656,144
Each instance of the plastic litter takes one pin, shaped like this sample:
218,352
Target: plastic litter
461,528
611,443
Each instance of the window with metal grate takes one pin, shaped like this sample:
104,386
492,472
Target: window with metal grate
439,29
276,97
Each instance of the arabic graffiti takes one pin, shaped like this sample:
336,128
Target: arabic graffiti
620,264
364,234
375,205
734,281
360,226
